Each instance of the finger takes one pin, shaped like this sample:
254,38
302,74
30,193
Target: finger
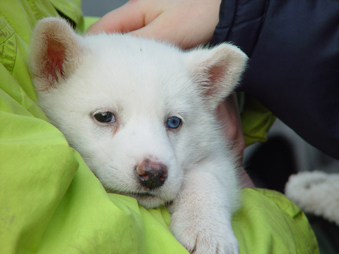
161,30
127,18
161,26
245,180
228,115
157,29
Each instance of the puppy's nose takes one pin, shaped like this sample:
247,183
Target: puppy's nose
151,174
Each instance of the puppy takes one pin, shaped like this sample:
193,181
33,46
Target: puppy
142,115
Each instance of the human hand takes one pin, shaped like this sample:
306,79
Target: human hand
185,23
229,117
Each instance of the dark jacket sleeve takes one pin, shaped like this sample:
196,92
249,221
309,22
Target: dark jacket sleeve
294,68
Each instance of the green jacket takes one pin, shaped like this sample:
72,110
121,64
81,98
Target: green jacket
50,202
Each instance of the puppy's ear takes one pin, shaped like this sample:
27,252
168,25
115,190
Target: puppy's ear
216,71
55,53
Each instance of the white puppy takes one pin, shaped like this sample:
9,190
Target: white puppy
141,113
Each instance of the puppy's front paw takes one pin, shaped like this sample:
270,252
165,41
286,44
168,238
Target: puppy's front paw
202,235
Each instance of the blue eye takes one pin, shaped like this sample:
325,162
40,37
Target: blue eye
173,122
104,117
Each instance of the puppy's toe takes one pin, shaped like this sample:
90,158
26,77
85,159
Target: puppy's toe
203,241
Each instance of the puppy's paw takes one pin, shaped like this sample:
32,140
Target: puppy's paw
204,235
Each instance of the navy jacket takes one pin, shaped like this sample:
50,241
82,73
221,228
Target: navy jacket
294,68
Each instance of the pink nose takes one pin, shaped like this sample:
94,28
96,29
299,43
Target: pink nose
151,174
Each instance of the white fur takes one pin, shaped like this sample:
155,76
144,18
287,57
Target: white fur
143,83
315,192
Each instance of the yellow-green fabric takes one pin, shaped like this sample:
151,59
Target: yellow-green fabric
270,223
256,120
50,202
89,21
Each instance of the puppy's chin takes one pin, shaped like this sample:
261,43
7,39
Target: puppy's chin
147,200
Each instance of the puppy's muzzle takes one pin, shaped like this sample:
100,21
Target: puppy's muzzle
151,174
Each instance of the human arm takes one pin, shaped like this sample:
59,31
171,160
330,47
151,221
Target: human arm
294,63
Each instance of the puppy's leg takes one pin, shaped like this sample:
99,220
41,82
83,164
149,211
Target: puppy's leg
201,218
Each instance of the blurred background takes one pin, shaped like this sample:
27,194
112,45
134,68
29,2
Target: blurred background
269,164
99,8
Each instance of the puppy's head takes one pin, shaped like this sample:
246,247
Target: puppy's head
140,112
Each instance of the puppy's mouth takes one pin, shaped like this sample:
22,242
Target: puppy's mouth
144,195
140,195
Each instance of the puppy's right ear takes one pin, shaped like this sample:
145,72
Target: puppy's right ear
216,71
55,53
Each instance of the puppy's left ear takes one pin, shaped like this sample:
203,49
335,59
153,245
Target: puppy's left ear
216,71
56,52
